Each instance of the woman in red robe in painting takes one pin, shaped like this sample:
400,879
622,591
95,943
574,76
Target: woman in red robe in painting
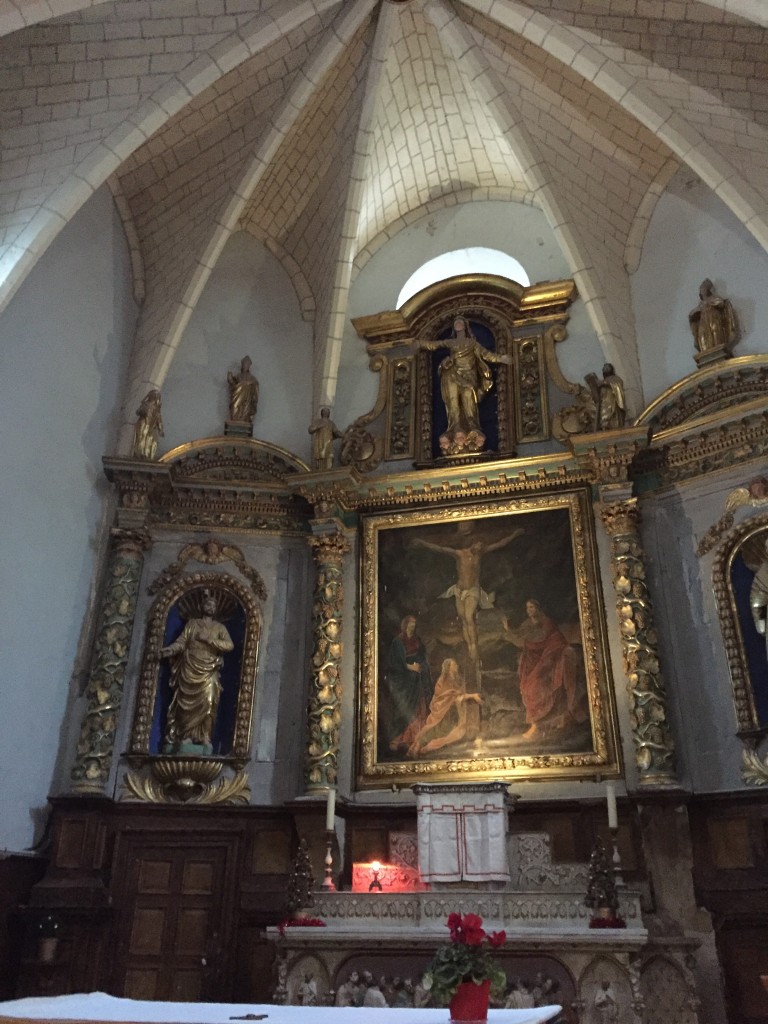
548,673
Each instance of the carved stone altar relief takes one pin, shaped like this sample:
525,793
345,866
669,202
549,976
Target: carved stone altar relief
605,995
667,994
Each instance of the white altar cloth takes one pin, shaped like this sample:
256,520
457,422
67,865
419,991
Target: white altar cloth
97,1006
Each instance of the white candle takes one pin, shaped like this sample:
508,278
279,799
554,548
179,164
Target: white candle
610,796
330,810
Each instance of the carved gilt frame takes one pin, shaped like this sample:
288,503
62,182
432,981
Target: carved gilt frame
517,761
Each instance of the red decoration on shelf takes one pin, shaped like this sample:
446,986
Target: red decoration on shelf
300,922
470,1002
607,922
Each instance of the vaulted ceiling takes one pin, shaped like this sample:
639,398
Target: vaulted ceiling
324,126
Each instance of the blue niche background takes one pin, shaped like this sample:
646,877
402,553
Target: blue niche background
489,407
754,644
224,729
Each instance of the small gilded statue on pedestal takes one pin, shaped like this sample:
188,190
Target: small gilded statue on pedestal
609,399
243,397
714,325
149,427
324,432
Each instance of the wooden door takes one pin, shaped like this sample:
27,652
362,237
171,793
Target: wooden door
174,922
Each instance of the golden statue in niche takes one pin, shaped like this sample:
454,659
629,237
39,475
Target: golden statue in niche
243,393
197,657
465,380
149,426
713,322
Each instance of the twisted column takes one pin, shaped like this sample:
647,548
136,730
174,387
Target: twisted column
654,747
104,692
324,709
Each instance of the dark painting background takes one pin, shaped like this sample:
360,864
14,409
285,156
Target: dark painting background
538,564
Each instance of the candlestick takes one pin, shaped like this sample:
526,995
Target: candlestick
330,810
328,885
616,859
610,796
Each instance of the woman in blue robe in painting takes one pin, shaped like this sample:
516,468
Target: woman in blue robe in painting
408,688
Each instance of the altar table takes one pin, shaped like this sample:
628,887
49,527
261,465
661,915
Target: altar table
96,1006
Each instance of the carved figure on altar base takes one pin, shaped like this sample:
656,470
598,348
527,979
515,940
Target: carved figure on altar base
243,393
198,654
520,997
149,426
324,432
349,992
609,398
713,322
373,994
465,380
308,991
606,1005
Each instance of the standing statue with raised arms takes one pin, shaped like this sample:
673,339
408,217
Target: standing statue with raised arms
465,380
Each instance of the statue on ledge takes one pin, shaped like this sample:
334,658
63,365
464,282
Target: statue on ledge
198,654
324,432
243,393
149,427
713,322
465,380
609,399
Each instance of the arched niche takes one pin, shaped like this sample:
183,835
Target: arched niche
177,602
740,577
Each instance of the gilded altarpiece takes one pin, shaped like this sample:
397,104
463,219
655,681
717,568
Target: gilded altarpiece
413,348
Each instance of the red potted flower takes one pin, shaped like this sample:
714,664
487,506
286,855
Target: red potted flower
463,972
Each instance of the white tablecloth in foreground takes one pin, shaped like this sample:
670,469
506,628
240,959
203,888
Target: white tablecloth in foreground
101,1007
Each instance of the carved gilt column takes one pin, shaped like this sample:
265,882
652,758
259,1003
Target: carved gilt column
104,691
654,747
324,708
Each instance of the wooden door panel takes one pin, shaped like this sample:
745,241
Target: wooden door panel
141,984
154,876
175,904
147,931
186,987
192,932
198,877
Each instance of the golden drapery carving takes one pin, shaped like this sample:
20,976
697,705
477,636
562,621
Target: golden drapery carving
324,709
104,693
654,747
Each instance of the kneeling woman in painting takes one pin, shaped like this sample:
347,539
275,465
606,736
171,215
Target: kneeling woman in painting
447,719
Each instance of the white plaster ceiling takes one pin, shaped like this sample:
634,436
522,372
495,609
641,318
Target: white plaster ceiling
324,126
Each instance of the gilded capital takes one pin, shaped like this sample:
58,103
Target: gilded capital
329,548
620,517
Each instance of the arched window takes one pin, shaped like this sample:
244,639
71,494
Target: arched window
476,260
